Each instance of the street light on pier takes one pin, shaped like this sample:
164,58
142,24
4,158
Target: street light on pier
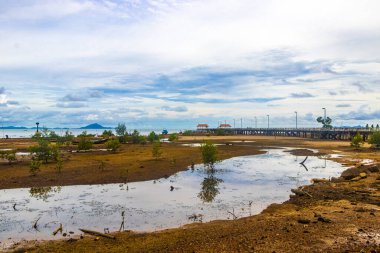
296,119
268,121
255,122
324,117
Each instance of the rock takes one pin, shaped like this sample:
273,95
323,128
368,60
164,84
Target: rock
363,175
304,221
64,234
324,219
373,169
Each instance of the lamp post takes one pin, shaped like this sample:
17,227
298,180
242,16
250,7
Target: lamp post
37,123
241,122
324,117
296,119
255,122
268,121
234,123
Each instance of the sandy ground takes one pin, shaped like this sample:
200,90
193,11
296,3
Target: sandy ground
341,215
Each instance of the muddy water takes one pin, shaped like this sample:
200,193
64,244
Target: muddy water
241,185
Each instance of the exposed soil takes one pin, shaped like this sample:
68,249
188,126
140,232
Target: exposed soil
341,215
133,162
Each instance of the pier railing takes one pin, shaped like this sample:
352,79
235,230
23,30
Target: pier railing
317,133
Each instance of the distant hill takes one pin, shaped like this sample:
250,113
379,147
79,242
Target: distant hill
13,127
94,126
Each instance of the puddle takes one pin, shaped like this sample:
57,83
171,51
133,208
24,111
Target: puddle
248,184
90,150
194,145
242,141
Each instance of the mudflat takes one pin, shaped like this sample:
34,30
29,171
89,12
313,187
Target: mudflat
338,215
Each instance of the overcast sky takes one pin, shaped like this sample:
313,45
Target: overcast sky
173,64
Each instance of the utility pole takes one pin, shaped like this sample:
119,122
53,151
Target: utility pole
268,120
296,119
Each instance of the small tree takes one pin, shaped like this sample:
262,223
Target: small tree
209,153
135,137
113,145
367,126
374,139
173,137
68,138
107,133
42,151
156,150
152,137
121,131
84,143
357,141
59,164
34,166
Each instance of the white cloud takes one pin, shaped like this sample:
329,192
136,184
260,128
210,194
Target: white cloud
118,50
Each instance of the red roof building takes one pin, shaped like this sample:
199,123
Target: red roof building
224,126
202,126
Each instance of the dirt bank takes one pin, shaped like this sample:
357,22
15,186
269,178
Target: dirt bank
342,215
133,162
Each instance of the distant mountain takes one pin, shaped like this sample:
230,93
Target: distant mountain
94,126
13,127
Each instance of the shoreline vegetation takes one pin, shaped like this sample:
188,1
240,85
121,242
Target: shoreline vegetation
342,214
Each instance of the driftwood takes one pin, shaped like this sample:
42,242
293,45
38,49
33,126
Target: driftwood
58,230
35,226
300,193
304,160
232,213
96,233
320,180
122,222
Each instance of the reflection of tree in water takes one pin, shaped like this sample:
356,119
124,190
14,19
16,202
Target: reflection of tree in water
43,192
210,187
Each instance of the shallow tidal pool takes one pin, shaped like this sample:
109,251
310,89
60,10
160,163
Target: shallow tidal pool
239,186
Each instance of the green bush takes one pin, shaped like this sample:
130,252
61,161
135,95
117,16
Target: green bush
152,137
173,137
34,166
113,145
135,137
156,150
107,133
188,133
209,153
9,155
374,139
220,132
84,143
357,141
42,151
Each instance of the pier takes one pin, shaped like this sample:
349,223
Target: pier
312,133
